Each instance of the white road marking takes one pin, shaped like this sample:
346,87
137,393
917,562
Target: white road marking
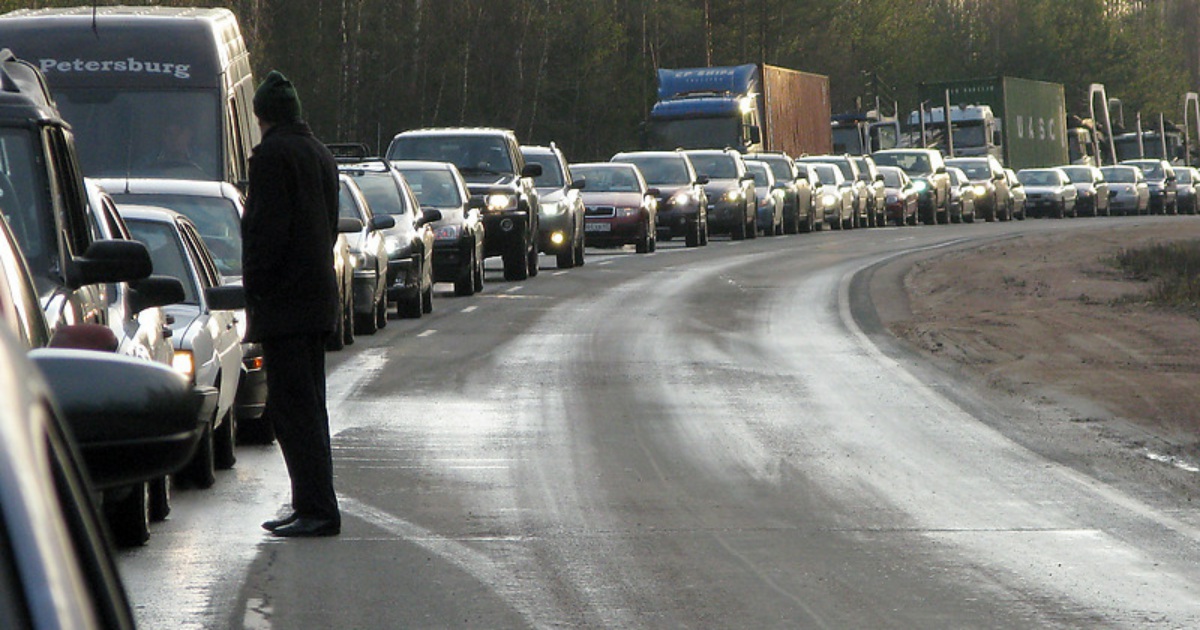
470,309
514,288
427,333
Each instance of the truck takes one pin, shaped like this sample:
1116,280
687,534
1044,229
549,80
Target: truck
1020,121
753,108
859,133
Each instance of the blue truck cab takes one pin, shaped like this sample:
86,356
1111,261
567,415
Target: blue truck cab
706,108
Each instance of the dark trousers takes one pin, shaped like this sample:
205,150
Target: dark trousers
296,407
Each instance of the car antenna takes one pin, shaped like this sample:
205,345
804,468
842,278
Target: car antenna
95,26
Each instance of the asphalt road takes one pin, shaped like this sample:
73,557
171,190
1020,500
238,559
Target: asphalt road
720,437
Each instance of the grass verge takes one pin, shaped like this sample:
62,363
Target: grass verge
1172,269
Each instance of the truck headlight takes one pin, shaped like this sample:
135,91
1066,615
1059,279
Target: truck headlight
500,201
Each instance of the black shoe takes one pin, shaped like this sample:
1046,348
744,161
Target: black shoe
275,524
308,527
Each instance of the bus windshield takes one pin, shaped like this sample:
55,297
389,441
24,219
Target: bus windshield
144,133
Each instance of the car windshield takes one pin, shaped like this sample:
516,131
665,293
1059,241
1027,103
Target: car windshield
1039,178
660,171
1183,175
552,175
915,164
759,171
433,187
891,178
606,178
31,222
826,173
216,219
166,254
957,176
476,156
779,167
1120,175
1078,174
975,170
715,165
146,133
1152,170
382,192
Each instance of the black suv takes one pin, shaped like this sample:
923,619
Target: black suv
500,182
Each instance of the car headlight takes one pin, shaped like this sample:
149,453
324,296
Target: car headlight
980,190
185,364
920,186
733,195
392,245
500,201
829,200
680,198
552,209
626,212
447,233
356,260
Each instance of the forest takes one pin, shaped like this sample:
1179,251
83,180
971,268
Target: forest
581,73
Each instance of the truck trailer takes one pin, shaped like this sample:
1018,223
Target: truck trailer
751,108
1020,121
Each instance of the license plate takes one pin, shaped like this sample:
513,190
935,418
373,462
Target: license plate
597,227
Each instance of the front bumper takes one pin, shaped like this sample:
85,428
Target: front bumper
726,216
502,230
562,225
612,231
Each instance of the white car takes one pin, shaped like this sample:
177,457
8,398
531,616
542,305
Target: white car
204,329
834,196
1048,192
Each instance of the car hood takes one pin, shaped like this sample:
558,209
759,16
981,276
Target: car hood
450,216
1041,190
612,199
551,195
719,186
483,182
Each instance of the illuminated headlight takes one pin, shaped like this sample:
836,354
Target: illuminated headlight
920,185
552,209
626,212
829,200
184,364
733,195
392,245
500,201
679,199
980,190
446,233
557,238
356,260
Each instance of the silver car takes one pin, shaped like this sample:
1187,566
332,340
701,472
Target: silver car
1130,192
1048,192
369,257
208,348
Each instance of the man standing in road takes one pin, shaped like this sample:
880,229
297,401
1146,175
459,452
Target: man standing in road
288,233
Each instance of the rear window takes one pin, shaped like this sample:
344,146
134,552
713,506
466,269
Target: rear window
433,187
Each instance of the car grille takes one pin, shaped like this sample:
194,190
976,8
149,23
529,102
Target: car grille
600,211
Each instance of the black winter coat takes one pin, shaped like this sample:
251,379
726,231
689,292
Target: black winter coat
288,233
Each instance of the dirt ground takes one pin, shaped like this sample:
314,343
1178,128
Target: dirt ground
1045,315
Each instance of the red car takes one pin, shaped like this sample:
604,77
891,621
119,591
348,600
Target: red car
900,195
619,207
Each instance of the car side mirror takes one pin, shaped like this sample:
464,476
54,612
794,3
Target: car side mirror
382,222
154,291
941,170
702,180
429,215
110,260
146,428
746,178
577,184
532,170
476,203
228,297
653,192
879,178
348,225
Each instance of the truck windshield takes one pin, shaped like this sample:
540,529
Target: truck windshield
694,133
847,140
969,136
478,157
22,204
144,133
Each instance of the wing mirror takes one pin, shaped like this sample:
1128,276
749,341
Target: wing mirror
579,184
349,225
532,170
111,260
429,215
476,203
146,428
155,291
382,222
703,180
653,192
229,297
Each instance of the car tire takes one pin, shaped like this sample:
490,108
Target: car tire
225,442
478,274
348,316
381,309
642,246
427,300
366,324
565,259
516,260
129,517
160,498
200,472
692,238
464,284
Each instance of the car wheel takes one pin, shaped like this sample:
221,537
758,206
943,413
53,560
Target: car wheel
516,260
381,311
160,498
348,316
129,517
464,284
201,470
565,259
642,246
366,324
692,238
225,442
534,266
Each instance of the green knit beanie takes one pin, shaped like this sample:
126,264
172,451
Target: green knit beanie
275,101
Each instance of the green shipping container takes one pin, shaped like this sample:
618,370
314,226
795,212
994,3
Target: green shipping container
1033,115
